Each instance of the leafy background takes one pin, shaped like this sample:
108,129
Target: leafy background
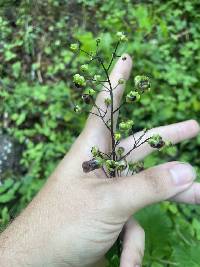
37,96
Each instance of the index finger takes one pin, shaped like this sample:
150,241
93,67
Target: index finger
174,133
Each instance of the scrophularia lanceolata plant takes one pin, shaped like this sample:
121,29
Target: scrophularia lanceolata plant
114,163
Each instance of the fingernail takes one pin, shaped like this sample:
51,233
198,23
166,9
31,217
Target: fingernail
182,173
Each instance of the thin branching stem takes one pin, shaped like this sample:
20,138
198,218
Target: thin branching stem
111,111
114,55
104,171
92,113
117,109
134,147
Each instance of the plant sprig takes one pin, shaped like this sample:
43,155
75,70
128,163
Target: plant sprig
115,162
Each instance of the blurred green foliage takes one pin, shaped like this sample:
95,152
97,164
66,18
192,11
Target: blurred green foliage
37,96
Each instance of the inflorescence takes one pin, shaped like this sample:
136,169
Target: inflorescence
115,163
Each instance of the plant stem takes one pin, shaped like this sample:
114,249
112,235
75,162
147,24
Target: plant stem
113,56
111,114
113,143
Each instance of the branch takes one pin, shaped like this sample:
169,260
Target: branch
118,107
102,117
113,56
111,112
134,147
90,112
105,172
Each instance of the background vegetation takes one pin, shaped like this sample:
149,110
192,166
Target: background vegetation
37,95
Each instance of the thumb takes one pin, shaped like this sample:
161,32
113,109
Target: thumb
151,186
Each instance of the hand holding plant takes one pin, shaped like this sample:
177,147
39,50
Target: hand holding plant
78,215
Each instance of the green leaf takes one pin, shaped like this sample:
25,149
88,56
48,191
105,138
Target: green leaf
6,185
187,256
16,69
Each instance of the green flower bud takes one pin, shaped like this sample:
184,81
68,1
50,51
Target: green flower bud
121,81
122,165
132,97
117,136
77,109
79,80
122,126
95,151
120,150
74,47
111,165
125,126
107,101
136,167
85,67
142,83
130,124
168,144
90,91
121,37
156,141
97,78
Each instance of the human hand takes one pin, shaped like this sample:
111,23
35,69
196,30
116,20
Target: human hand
77,217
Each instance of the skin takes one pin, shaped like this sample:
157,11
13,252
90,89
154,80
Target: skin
77,217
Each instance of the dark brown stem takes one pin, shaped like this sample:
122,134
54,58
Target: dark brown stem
119,107
114,55
105,172
134,147
111,113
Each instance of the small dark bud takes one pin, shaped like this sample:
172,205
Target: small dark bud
98,41
77,85
158,145
156,141
132,97
87,98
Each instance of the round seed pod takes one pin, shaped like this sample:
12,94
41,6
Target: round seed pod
122,165
74,47
77,109
91,165
156,141
133,96
87,98
142,83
